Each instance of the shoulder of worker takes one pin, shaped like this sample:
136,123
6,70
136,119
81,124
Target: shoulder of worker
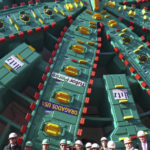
148,144
101,148
7,147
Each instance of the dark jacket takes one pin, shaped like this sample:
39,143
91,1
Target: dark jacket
134,148
101,148
140,146
8,147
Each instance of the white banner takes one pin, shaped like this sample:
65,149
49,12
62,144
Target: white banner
70,80
14,62
120,94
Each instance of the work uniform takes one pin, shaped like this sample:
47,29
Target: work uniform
103,143
9,147
132,148
145,146
103,148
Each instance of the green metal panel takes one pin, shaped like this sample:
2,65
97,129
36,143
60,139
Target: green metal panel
77,91
57,80
122,127
7,76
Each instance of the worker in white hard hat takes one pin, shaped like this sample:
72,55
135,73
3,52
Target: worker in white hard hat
111,145
128,144
95,146
103,143
78,145
45,144
12,142
144,144
69,145
63,144
28,145
88,146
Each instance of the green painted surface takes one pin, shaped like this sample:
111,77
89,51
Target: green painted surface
122,128
13,83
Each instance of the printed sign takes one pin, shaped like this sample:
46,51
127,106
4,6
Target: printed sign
60,108
14,62
120,94
70,80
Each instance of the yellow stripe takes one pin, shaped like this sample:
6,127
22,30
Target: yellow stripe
145,17
81,42
140,46
34,14
32,48
17,27
88,12
103,11
123,101
119,9
124,7
20,57
119,86
121,33
7,67
56,10
124,30
122,138
93,22
107,16
62,13
11,21
92,26
76,5
81,4
143,11
41,21
136,50
90,43
127,117
83,61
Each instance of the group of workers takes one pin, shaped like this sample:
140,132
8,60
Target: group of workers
78,145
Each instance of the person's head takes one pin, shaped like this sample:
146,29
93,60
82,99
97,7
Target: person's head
69,145
95,146
45,144
142,137
78,145
104,142
111,145
128,143
28,145
88,146
63,144
12,138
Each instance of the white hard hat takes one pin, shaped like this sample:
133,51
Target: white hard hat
69,144
127,140
140,133
78,142
29,143
111,144
95,145
63,141
103,139
12,135
45,142
88,144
